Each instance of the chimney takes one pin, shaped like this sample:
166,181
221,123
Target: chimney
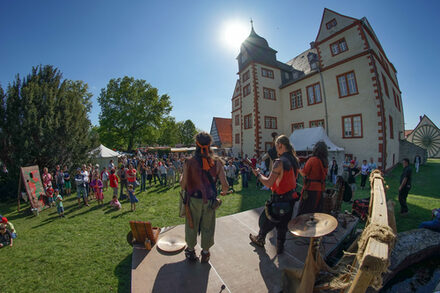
421,117
312,45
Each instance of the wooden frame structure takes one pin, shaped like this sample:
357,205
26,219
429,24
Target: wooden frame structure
376,252
144,233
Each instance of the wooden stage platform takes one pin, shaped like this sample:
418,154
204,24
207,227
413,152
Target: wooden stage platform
235,262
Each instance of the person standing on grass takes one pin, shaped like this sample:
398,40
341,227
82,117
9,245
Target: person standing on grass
149,174
131,175
198,180
86,180
80,180
417,161
371,166
282,182
97,188
244,170
333,171
114,182
143,172
122,174
230,175
163,173
171,174
59,179
133,198
405,186
314,173
105,177
67,183
5,236
59,202
47,178
353,172
364,173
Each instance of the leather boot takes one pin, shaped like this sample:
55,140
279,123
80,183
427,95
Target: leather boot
257,240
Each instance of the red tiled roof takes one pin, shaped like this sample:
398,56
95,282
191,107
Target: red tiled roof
408,132
224,129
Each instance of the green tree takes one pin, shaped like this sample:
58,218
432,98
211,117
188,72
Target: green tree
131,111
168,132
44,121
187,131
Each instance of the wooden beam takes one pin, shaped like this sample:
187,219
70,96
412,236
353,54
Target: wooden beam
376,252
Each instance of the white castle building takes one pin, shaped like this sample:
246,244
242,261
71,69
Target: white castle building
344,83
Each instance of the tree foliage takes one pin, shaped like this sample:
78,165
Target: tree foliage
131,112
187,131
44,121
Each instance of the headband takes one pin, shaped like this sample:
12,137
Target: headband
207,161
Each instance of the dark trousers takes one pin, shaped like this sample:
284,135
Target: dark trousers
158,178
164,179
230,182
244,180
123,184
143,181
363,180
267,225
403,194
311,202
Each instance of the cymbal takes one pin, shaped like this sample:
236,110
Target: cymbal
171,243
312,225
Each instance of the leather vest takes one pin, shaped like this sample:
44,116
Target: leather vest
197,182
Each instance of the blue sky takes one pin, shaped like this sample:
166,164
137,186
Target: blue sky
177,45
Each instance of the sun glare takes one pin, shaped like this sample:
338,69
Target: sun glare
234,33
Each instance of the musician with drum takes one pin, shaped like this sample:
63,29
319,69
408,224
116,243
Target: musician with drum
282,181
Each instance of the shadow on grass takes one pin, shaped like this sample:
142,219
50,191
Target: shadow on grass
85,211
413,219
123,273
121,214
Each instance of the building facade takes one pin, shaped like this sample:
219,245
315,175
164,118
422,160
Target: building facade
344,83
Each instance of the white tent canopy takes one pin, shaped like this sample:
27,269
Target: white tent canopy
103,155
305,139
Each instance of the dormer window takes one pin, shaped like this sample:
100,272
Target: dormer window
331,23
286,75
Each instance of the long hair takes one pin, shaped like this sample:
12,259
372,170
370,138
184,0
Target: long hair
284,140
320,150
203,138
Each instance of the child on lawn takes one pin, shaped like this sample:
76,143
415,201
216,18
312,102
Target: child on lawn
115,202
49,195
9,226
97,185
133,199
114,182
59,202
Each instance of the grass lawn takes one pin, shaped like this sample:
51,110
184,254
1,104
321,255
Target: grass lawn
87,251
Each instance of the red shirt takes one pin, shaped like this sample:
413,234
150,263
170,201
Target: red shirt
314,170
131,175
113,180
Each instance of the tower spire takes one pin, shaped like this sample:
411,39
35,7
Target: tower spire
252,23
